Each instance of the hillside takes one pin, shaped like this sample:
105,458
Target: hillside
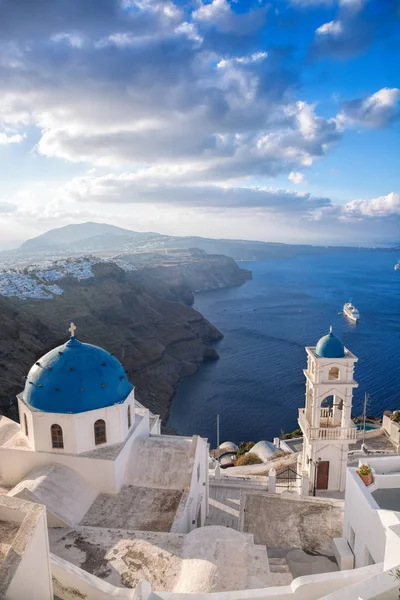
108,241
158,339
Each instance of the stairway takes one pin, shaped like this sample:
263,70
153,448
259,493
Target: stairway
279,571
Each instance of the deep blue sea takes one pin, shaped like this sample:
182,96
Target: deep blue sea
258,383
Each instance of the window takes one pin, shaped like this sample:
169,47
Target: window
26,425
57,436
129,417
100,432
198,472
334,373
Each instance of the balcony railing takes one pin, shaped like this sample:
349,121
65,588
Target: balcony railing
325,433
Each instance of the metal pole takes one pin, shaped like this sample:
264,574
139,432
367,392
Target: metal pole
218,437
315,478
366,397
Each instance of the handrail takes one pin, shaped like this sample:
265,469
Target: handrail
325,433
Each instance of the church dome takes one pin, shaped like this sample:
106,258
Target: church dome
75,378
330,346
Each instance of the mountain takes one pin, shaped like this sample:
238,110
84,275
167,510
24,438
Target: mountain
71,234
105,240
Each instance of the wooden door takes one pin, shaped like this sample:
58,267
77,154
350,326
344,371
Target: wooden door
323,475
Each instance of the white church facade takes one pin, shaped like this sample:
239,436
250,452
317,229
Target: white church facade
96,503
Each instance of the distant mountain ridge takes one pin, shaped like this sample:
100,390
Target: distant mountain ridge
73,233
102,239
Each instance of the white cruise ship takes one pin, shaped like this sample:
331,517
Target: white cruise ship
397,266
351,312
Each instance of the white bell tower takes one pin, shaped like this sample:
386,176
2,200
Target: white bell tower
326,420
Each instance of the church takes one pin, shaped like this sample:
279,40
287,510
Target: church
96,503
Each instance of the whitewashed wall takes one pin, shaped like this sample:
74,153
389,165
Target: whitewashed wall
193,507
78,429
362,515
28,562
16,464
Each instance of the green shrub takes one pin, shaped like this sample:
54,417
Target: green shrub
294,434
244,447
248,459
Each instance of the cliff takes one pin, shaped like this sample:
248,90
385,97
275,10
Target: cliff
158,339
184,272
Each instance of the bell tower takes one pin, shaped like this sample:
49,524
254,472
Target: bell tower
326,419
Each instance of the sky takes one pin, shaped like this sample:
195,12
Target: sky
267,120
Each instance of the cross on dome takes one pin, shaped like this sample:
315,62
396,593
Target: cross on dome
72,329
330,329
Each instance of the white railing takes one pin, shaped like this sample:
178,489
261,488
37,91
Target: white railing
326,413
325,433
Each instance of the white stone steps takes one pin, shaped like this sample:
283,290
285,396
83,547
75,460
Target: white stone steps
279,572
278,579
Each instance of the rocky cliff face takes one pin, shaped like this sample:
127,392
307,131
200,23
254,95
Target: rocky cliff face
158,339
184,272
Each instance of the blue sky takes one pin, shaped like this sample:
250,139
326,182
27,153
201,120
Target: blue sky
246,119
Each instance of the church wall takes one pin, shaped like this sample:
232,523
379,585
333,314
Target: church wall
78,429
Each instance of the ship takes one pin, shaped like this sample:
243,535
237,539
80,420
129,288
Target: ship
351,312
397,266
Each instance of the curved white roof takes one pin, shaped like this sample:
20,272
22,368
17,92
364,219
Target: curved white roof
264,450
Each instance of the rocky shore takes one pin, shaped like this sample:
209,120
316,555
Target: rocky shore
142,317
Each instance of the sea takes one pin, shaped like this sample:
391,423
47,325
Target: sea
257,385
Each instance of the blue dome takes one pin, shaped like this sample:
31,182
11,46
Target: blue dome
74,378
330,346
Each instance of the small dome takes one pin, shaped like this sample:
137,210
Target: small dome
330,346
264,450
228,446
75,378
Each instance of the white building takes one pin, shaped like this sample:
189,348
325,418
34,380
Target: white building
82,434
99,505
372,513
326,419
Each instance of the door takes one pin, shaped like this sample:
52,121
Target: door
323,475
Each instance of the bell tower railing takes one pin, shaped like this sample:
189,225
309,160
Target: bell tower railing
325,433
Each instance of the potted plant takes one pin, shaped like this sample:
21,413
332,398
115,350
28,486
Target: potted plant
365,472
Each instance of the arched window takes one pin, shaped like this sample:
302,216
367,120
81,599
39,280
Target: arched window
334,373
129,417
26,425
57,436
100,432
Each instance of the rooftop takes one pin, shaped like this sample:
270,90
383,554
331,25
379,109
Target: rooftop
388,498
194,562
74,378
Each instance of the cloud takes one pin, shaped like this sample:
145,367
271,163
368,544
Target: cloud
7,207
376,111
143,188
10,139
356,27
382,207
219,14
333,28
296,178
